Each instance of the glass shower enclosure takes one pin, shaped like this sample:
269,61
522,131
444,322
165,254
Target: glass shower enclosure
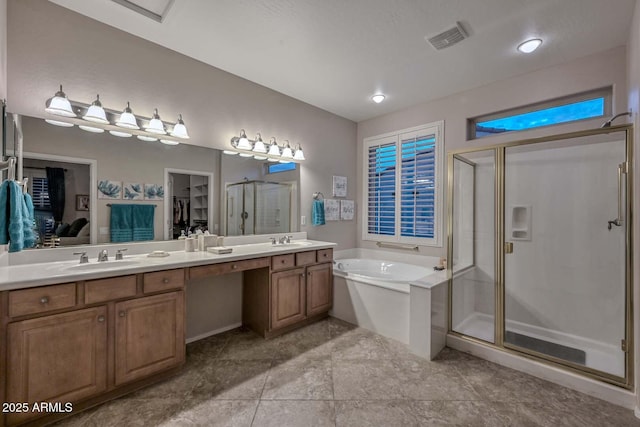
540,239
258,207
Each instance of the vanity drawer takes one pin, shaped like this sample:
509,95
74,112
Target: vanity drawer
305,258
227,267
163,280
325,255
281,262
42,299
109,289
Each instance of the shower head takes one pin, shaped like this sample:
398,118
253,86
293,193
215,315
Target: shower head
607,124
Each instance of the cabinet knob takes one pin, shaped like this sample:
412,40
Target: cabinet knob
122,313
282,261
309,273
100,318
234,266
325,255
301,274
165,280
44,300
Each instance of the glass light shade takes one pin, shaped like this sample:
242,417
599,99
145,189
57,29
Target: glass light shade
169,142
180,130
96,113
272,160
120,134
274,150
529,46
59,123
260,157
246,155
230,152
146,138
155,124
243,142
283,161
258,146
286,152
91,129
127,119
299,155
59,105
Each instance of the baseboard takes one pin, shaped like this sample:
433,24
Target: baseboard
216,332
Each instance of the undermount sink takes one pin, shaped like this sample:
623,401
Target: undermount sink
105,265
296,243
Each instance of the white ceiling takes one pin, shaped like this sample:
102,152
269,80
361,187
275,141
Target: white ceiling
335,54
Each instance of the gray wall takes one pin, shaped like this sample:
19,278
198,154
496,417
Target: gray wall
88,57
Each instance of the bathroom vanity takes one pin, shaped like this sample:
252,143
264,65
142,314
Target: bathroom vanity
93,334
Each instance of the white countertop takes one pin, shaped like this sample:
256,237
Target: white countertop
47,273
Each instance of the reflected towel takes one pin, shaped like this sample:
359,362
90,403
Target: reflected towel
11,216
121,223
317,212
143,222
28,219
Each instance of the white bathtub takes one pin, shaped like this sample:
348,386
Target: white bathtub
391,298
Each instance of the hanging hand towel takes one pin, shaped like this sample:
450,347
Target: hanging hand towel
121,223
11,216
317,212
143,222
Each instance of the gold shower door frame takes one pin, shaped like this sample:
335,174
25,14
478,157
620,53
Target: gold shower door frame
501,247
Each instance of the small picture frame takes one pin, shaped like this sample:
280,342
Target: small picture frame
339,186
82,202
347,209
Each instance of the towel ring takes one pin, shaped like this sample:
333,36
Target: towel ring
318,195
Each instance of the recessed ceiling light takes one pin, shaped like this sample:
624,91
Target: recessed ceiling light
378,98
529,45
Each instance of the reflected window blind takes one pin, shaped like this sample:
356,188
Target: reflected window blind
417,187
381,218
40,193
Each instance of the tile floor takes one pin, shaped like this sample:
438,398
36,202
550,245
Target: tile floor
334,374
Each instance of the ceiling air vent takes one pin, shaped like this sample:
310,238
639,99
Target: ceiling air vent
448,38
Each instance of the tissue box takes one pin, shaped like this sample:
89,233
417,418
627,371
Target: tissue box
220,250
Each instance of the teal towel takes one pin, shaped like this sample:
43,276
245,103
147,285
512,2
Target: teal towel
317,212
121,223
143,222
12,216
28,218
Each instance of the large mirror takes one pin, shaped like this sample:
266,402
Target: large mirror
189,186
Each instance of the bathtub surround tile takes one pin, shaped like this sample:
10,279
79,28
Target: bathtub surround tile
333,373
278,413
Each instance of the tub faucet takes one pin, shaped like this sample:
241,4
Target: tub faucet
103,255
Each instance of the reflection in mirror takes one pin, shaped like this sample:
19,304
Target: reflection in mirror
258,207
190,196
129,160
62,217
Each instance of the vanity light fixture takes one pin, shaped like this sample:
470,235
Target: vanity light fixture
146,138
155,124
298,155
243,142
530,45
258,145
127,119
169,142
287,153
378,98
274,148
91,129
179,130
96,113
120,134
59,105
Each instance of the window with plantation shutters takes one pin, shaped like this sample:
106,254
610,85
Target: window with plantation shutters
40,193
402,194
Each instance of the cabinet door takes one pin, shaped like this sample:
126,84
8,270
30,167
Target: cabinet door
57,358
149,335
319,289
287,297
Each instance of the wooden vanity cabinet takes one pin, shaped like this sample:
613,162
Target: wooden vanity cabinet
296,290
86,342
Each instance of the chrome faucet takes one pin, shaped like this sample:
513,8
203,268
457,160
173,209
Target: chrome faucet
273,240
103,255
84,258
119,254
285,239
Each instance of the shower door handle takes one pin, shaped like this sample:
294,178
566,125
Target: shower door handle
622,169
508,247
